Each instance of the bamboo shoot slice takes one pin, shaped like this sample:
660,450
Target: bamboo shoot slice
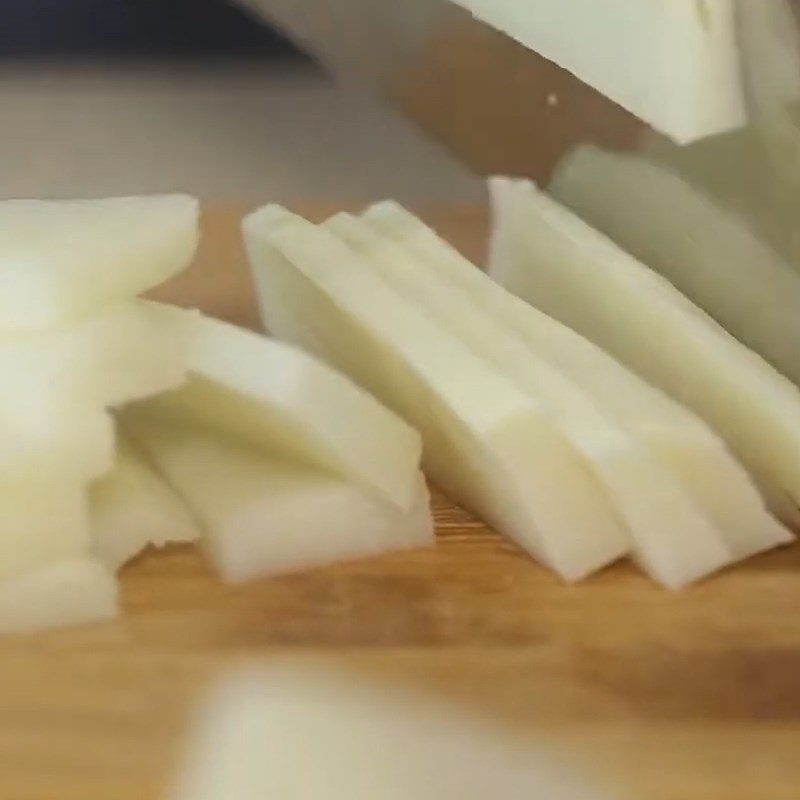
486,442
40,523
64,259
265,516
277,397
576,274
670,537
709,254
133,507
47,443
127,352
75,591
682,441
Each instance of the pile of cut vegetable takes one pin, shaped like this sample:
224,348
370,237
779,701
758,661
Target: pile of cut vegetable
607,417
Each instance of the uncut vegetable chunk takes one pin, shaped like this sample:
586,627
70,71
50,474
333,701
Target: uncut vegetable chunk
486,443
75,591
670,536
127,352
681,440
41,522
266,516
573,272
709,254
283,400
255,732
132,508
64,259
626,49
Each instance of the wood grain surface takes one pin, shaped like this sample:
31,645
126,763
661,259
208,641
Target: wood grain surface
691,696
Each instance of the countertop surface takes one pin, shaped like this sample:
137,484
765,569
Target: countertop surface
690,696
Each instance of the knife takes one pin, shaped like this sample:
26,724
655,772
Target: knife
503,107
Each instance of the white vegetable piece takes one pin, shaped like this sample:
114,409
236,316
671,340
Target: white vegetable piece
573,272
769,39
756,170
265,516
132,508
670,537
486,443
41,522
255,733
63,259
56,385
75,591
673,63
750,172
127,352
43,442
681,440
709,254
279,398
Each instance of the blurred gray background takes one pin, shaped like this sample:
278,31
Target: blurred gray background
104,97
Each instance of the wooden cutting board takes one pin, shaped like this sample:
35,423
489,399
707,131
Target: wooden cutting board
691,696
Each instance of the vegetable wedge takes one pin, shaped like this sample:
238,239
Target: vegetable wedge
486,442
680,440
277,397
709,254
74,591
670,537
64,259
127,352
264,516
573,272
132,508
41,523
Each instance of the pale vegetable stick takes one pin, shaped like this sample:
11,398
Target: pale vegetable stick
576,274
41,441
681,440
124,353
63,259
769,41
265,516
673,541
132,508
56,385
75,591
277,397
486,442
41,522
711,255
